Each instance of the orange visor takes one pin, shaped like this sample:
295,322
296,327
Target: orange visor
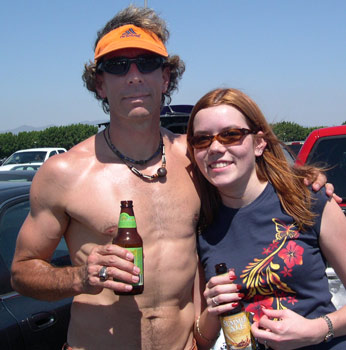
129,36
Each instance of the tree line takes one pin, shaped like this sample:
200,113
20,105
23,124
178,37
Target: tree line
55,136
289,131
70,135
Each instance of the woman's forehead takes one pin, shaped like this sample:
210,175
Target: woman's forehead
218,117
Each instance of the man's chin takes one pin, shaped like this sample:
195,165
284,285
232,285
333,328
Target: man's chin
139,113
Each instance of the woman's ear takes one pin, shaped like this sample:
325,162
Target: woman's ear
260,144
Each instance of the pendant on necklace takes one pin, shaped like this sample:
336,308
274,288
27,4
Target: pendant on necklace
161,172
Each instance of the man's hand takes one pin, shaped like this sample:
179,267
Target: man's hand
119,265
318,181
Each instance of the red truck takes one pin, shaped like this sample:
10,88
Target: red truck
327,147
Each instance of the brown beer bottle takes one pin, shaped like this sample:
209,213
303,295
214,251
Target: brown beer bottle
235,323
129,238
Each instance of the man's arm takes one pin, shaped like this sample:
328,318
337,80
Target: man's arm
32,273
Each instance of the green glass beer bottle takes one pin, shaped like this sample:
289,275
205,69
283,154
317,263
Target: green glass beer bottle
129,238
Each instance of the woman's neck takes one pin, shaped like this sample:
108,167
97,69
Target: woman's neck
241,198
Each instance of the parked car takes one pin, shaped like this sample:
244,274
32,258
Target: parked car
17,175
290,156
336,288
26,323
327,147
294,146
175,118
32,156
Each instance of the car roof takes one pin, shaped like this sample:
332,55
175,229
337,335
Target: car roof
42,149
10,189
176,110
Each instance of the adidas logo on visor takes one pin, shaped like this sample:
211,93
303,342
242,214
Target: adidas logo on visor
129,33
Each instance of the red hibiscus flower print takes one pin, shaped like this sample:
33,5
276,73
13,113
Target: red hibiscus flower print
292,254
256,307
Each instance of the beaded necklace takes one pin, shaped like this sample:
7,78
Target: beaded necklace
128,159
161,172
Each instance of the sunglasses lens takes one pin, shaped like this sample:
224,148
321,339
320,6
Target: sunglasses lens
120,66
226,138
147,64
116,66
201,141
231,136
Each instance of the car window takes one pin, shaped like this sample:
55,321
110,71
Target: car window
288,155
11,221
25,157
52,153
331,153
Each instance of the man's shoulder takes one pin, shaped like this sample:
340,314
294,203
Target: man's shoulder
66,166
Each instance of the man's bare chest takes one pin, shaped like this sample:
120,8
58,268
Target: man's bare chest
163,208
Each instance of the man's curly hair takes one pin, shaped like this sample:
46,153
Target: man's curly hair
147,19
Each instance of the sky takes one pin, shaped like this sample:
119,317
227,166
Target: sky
289,56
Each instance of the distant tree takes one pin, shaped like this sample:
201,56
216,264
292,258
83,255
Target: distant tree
344,123
66,136
289,131
56,136
8,144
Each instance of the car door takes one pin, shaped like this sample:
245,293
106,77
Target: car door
27,323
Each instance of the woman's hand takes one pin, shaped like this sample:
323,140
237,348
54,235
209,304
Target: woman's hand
222,294
285,330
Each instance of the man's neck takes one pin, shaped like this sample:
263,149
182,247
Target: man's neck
134,140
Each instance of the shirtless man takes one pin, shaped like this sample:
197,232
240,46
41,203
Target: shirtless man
82,204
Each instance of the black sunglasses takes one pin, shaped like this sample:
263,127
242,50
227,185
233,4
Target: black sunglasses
227,137
121,65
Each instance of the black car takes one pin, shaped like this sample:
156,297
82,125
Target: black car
17,175
175,118
26,323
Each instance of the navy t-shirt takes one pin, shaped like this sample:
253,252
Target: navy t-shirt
278,266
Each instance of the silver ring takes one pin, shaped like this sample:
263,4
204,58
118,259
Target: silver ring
266,345
215,302
103,275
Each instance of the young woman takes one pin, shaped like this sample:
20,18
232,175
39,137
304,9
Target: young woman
260,219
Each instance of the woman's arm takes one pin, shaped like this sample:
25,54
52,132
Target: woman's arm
212,299
290,330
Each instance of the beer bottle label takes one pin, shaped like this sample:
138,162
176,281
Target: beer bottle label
237,331
138,261
127,221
